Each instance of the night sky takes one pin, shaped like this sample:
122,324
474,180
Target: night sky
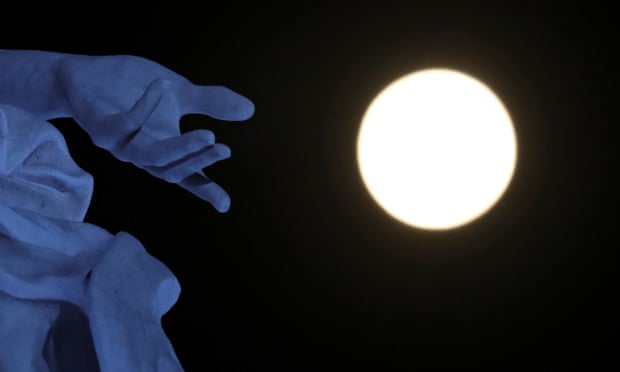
305,272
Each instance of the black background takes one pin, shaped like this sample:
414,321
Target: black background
305,272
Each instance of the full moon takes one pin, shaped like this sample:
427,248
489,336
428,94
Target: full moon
436,149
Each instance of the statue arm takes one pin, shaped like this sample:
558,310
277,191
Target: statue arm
28,79
130,106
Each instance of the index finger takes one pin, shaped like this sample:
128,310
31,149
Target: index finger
216,101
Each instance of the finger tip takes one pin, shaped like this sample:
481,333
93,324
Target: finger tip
223,205
251,109
246,109
219,199
200,138
223,151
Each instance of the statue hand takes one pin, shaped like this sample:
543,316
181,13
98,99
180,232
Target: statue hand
132,106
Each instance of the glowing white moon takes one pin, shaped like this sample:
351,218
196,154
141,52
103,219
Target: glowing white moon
436,149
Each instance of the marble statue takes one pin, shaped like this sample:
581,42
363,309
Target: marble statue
73,296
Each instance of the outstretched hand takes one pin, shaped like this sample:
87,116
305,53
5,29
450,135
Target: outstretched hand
132,106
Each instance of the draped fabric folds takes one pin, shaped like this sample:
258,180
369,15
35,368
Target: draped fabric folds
73,297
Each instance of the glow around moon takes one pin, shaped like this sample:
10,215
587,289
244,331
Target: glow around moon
436,149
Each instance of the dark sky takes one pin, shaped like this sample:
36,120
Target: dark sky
305,272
